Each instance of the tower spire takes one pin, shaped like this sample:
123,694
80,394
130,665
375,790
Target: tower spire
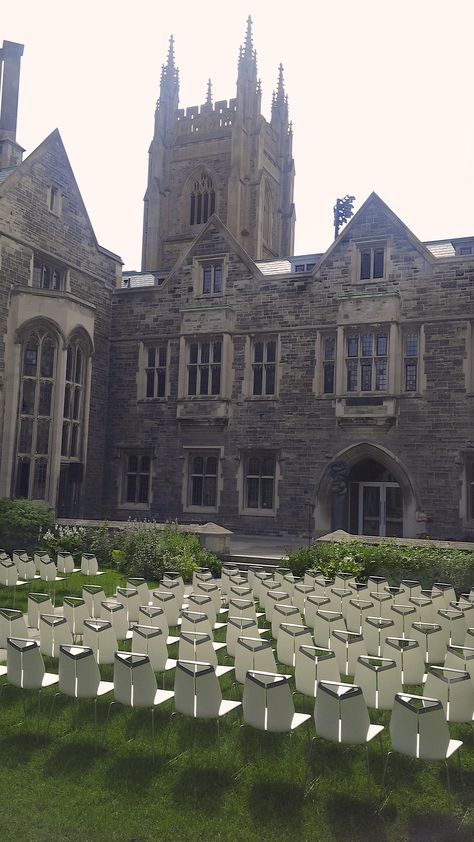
248,49
170,62
247,95
280,102
209,93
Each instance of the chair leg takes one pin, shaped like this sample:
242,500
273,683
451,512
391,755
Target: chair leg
389,754
51,710
153,732
449,782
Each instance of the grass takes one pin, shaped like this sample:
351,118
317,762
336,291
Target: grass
57,787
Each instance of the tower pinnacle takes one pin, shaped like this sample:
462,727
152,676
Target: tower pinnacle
209,93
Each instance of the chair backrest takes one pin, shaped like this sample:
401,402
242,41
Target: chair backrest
360,590
47,569
134,680
196,621
424,608
267,586
259,579
347,646
315,602
240,591
418,727
93,596
130,599
460,657
203,603
150,641
114,611
75,611
284,614
300,593
408,656
12,624
377,583
380,679
140,585
382,601
101,637
453,622
253,654
324,622
242,607
38,603
175,587
272,599
432,640
36,558
196,690
202,574
403,615
339,599
342,579
170,604
411,587
89,565
267,701
210,589
54,630
446,590
291,636
239,627
357,609
8,573
153,615
197,646
25,667
454,689
25,567
79,674
65,563
375,631
313,664
340,713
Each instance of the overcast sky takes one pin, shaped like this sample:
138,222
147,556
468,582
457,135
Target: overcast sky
380,94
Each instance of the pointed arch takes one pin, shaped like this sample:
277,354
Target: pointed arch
201,194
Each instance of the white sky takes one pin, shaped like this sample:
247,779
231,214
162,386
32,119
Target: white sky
380,95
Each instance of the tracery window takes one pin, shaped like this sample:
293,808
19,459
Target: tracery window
71,442
35,414
203,200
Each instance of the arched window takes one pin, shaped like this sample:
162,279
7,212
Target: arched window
203,200
35,413
73,415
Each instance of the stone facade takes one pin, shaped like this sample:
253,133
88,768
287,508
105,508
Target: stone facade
230,381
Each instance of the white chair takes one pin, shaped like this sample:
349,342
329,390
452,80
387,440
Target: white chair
141,586
243,608
204,604
469,638
284,614
267,703
175,587
403,616
168,601
152,615
130,599
379,679
357,609
446,590
324,622
79,675
135,685
151,641
252,653
48,570
280,572
360,590
460,657
339,598
75,612
267,586
343,579
314,603
382,601
196,621
251,571
275,598
258,582
409,657
239,627
25,566
341,715
9,576
198,646
455,691
202,574
90,565
375,630
115,613
93,596
425,612
213,591
291,636
432,640
25,668
12,624
347,646
54,631
453,622
239,591
228,570
197,692
239,578
38,603
300,595
322,585
308,578
314,664
411,587
289,583
37,558
100,636
418,729
377,583
65,564
468,611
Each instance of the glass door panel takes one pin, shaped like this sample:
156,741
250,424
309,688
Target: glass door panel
370,510
393,511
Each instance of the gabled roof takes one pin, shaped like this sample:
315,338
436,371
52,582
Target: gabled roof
16,174
374,199
215,222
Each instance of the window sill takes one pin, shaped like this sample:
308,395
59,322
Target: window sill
358,282
257,512
262,398
201,509
135,507
153,400
205,296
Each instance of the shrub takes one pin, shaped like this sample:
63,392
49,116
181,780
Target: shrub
148,550
22,522
65,539
427,563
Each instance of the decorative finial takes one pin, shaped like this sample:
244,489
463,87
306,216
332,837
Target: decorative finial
171,52
281,84
209,93
259,86
248,37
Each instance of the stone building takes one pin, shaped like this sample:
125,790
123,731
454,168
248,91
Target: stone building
230,380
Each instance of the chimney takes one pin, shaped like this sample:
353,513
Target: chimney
10,58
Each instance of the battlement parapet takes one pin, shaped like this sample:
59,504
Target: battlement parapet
207,117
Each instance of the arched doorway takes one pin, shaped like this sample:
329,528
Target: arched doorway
375,501
366,490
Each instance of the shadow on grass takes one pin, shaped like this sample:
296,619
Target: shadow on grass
437,827
201,788
354,819
133,773
276,804
69,760
18,748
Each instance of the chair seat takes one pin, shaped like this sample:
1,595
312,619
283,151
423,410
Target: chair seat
453,746
171,639
298,719
162,696
217,646
48,679
3,669
170,665
373,731
105,687
218,626
220,670
226,706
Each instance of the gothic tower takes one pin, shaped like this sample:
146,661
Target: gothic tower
222,158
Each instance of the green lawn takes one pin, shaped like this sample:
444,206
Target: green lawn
58,788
